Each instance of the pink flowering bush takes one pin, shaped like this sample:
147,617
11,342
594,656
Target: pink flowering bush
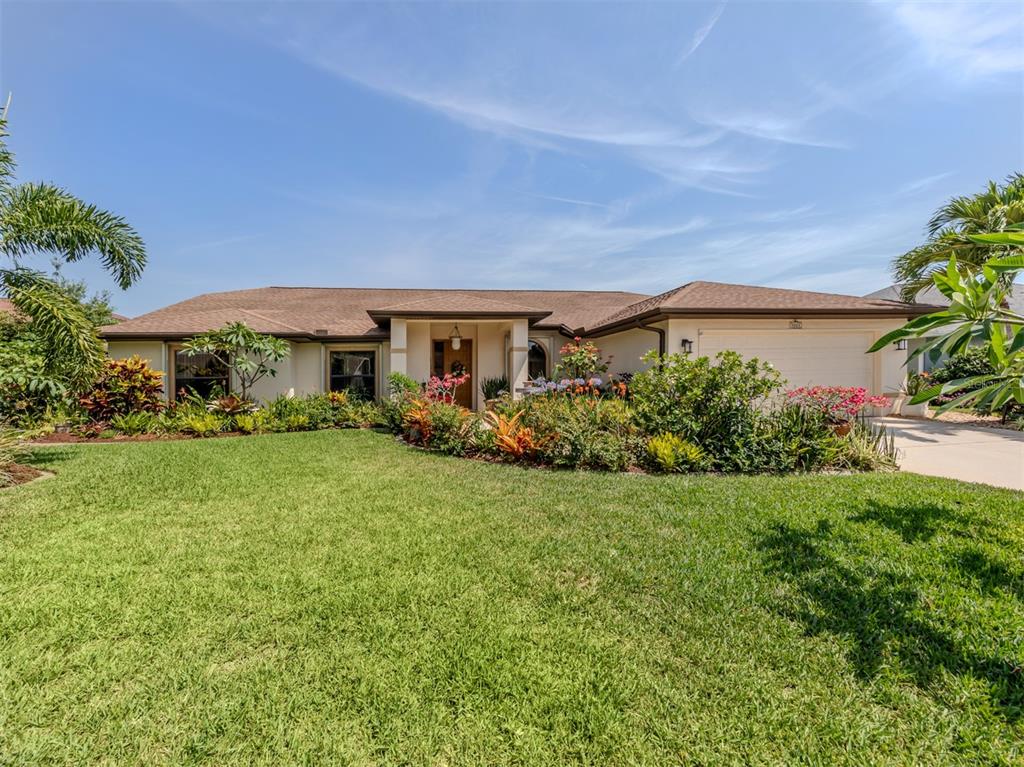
443,389
837,403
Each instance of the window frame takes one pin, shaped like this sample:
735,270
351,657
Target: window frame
375,350
172,373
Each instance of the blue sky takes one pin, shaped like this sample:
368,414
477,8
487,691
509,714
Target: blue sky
514,145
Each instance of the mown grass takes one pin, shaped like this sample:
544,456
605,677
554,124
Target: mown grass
334,597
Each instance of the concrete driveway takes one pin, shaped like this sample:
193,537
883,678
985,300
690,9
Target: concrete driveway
970,453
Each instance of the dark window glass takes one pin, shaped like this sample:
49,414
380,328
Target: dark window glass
354,372
538,361
203,374
439,358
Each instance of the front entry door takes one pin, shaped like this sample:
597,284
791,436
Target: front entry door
456,362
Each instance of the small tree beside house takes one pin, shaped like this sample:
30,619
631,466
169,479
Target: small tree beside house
248,355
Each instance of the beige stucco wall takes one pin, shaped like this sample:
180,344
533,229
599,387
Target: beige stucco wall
626,349
888,363
153,352
497,349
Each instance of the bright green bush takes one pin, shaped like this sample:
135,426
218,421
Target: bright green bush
132,424
200,424
667,452
578,432
714,404
453,429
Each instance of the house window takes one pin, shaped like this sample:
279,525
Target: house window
354,372
202,374
537,366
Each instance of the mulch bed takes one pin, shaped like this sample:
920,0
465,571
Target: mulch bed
22,474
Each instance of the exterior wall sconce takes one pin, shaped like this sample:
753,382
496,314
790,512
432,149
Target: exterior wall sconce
901,345
456,338
687,345
796,324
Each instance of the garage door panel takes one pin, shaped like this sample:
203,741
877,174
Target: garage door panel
803,358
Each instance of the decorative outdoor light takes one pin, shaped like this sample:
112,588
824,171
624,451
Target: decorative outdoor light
796,324
456,338
901,345
687,345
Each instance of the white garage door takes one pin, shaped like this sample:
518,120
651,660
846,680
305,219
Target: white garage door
803,357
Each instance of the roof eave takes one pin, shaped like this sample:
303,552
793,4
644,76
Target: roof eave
665,313
383,315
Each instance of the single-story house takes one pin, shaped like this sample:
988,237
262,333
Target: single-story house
352,338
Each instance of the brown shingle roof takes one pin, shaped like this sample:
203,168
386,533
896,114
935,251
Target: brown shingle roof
722,298
346,312
343,312
457,304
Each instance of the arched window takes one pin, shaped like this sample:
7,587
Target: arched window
538,362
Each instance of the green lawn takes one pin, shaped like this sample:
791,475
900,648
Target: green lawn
335,597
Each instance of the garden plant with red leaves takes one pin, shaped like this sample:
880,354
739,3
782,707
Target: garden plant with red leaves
442,389
838,404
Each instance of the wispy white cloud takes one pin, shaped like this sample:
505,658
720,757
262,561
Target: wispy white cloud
700,36
965,39
917,185
572,201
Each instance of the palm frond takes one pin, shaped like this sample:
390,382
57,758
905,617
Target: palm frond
44,218
6,160
73,350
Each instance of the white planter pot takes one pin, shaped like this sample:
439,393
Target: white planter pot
916,411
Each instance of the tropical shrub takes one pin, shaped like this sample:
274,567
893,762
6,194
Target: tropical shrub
667,452
838,404
508,438
124,386
28,389
400,383
249,355
578,432
199,424
416,422
915,383
493,388
714,404
978,315
132,424
256,422
452,429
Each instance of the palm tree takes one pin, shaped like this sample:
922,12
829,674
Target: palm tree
993,210
37,219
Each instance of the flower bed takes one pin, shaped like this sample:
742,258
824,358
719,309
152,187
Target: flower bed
679,415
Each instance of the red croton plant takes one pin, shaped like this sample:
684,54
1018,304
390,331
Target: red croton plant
124,386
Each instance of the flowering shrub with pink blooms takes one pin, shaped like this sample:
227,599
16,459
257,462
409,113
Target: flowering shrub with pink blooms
442,389
837,403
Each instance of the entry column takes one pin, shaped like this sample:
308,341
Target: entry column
520,354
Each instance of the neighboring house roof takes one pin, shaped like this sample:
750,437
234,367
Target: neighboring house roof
718,298
359,312
932,297
346,312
